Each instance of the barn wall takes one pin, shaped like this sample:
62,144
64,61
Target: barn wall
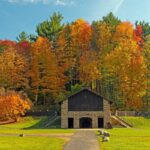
94,115
64,114
85,101
107,113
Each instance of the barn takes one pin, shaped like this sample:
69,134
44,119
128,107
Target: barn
85,109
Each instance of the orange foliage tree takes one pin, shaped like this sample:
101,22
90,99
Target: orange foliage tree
13,70
13,105
88,67
74,40
81,33
44,73
107,55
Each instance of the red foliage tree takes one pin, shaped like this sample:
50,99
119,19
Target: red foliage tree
138,32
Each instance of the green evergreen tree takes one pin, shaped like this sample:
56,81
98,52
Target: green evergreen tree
51,28
111,20
23,36
145,26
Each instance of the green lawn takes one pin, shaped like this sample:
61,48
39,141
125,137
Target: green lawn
137,138
138,122
31,143
31,125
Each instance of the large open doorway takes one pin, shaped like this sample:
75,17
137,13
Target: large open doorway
85,122
100,122
70,122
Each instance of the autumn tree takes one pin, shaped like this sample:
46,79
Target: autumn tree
88,68
13,70
145,27
138,36
6,44
24,49
110,56
102,35
13,105
81,34
65,54
81,42
126,62
146,53
45,75
73,41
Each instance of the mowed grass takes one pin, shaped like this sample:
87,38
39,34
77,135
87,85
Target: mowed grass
138,122
31,125
137,138
31,143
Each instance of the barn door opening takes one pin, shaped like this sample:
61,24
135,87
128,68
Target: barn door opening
70,122
85,122
100,122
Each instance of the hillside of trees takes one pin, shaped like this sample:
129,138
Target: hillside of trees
110,56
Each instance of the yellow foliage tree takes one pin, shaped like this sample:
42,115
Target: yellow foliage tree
13,70
127,63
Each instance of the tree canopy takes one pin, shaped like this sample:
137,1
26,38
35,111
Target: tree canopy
109,56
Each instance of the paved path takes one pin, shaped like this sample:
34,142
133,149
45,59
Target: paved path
83,140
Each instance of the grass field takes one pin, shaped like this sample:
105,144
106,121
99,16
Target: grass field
137,138
31,125
31,143
138,122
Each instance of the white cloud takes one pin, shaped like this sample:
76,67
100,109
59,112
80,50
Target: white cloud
60,2
28,1
55,2
117,7
63,2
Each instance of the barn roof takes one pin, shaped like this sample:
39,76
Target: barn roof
86,89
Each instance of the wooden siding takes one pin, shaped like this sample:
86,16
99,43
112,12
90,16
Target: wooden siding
85,101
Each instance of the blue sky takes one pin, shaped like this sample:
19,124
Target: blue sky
23,15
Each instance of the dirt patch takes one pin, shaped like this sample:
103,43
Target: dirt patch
6,122
64,136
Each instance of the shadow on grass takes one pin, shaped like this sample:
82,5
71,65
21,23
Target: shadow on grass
43,124
147,117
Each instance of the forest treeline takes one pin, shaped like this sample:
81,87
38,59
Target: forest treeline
110,56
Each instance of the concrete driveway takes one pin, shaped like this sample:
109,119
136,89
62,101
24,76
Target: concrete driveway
83,140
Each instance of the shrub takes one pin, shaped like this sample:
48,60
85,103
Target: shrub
13,105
